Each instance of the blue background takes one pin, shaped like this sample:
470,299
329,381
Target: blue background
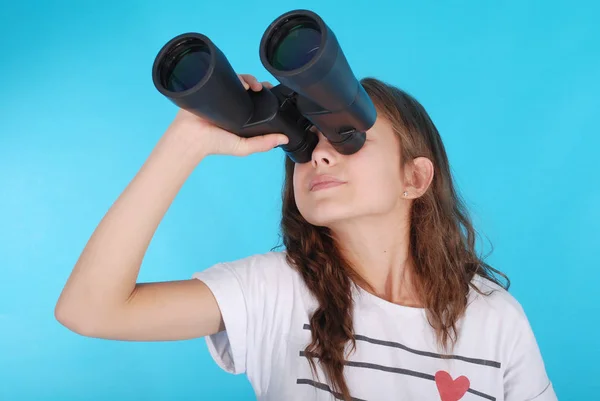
513,88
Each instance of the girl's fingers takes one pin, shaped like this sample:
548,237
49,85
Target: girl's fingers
250,82
243,81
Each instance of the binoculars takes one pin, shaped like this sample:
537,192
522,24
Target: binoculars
316,86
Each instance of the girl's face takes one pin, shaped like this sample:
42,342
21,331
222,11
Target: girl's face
366,183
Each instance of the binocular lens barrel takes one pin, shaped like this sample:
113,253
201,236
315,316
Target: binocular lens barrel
195,75
303,53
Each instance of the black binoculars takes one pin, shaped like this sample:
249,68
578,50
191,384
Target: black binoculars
317,87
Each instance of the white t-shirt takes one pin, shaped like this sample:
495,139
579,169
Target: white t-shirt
266,308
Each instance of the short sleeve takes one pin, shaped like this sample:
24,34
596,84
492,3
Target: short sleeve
525,377
228,348
246,291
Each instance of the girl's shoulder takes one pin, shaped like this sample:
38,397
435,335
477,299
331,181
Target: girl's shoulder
493,300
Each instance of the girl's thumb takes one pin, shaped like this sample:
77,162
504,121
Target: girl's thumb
264,143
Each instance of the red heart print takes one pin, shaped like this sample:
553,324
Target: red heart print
451,390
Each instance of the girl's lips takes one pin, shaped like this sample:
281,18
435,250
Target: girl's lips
322,179
325,185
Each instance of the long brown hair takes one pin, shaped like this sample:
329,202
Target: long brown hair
442,245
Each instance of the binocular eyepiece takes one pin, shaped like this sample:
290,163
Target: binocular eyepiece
317,87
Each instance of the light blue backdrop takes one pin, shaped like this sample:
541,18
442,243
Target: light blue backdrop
513,88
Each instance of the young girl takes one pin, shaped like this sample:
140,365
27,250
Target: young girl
378,295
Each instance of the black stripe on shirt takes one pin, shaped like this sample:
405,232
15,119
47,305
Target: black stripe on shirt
393,344
402,371
325,387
